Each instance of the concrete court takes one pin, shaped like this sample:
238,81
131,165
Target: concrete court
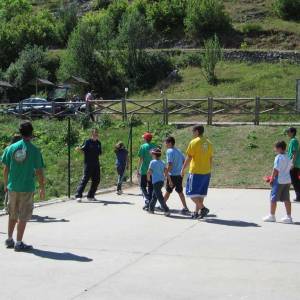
114,250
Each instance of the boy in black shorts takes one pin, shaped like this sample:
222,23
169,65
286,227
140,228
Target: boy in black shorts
175,160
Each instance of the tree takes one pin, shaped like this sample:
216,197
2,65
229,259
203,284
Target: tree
212,55
287,9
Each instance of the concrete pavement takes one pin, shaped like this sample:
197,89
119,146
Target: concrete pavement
112,249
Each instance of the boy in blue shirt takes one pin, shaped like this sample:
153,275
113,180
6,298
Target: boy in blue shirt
280,182
121,164
175,160
156,173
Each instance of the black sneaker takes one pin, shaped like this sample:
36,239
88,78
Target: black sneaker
10,243
185,211
158,208
195,215
23,247
146,207
204,212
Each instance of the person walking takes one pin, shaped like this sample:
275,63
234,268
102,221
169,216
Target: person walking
88,104
91,150
199,157
280,182
294,156
121,164
156,174
175,160
144,161
22,162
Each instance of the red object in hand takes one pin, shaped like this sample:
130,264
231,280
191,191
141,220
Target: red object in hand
268,179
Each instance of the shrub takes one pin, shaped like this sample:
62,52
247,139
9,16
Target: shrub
187,59
250,28
205,17
287,9
167,17
100,4
211,57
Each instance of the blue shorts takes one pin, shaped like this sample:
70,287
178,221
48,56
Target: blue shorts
197,185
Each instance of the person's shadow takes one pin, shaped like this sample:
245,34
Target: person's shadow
59,255
46,219
234,223
107,202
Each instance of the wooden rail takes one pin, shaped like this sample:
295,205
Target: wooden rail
210,108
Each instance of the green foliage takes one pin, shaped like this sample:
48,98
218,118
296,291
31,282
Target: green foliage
187,59
250,28
167,17
29,66
105,121
205,17
100,4
212,55
67,21
20,25
287,9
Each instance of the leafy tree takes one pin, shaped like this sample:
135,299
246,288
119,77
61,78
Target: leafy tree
29,66
287,9
205,17
12,8
212,55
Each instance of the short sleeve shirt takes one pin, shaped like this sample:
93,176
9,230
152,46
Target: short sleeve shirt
22,159
283,164
157,167
201,151
92,150
145,154
176,159
294,148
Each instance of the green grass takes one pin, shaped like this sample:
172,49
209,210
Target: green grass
236,80
243,155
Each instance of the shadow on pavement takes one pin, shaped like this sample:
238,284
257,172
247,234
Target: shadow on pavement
234,223
132,194
59,256
46,219
105,202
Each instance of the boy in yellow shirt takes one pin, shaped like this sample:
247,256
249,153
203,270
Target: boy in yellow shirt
199,157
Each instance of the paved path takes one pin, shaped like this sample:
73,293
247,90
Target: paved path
114,250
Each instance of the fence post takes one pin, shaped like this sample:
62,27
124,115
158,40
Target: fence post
131,154
124,110
210,111
166,111
53,108
257,111
69,157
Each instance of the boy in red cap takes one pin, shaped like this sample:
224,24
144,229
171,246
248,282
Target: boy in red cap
145,159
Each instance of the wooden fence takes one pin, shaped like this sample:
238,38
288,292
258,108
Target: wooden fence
250,110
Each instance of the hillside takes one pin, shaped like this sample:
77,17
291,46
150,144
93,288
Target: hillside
254,22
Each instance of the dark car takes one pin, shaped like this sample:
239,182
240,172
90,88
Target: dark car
32,106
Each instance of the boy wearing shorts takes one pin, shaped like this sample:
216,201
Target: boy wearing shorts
156,173
175,160
199,157
280,182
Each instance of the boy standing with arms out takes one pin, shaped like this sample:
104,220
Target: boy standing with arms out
280,182
145,158
22,161
294,156
199,157
175,160
155,174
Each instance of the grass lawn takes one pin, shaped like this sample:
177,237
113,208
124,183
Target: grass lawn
236,80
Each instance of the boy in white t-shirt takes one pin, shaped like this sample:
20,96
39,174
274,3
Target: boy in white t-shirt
280,182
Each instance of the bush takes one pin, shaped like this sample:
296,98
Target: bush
211,57
205,17
287,9
167,17
187,59
100,4
250,28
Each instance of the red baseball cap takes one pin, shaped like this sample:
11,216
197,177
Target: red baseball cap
147,136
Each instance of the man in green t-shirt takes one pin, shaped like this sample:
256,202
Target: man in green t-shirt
22,162
294,155
145,159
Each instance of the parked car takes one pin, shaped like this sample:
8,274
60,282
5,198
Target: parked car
32,106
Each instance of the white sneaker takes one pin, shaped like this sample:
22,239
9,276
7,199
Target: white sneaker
269,218
287,220
92,199
78,200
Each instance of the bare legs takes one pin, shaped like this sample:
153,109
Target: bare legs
21,225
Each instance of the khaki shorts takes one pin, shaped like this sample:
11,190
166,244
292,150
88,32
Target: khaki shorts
20,205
